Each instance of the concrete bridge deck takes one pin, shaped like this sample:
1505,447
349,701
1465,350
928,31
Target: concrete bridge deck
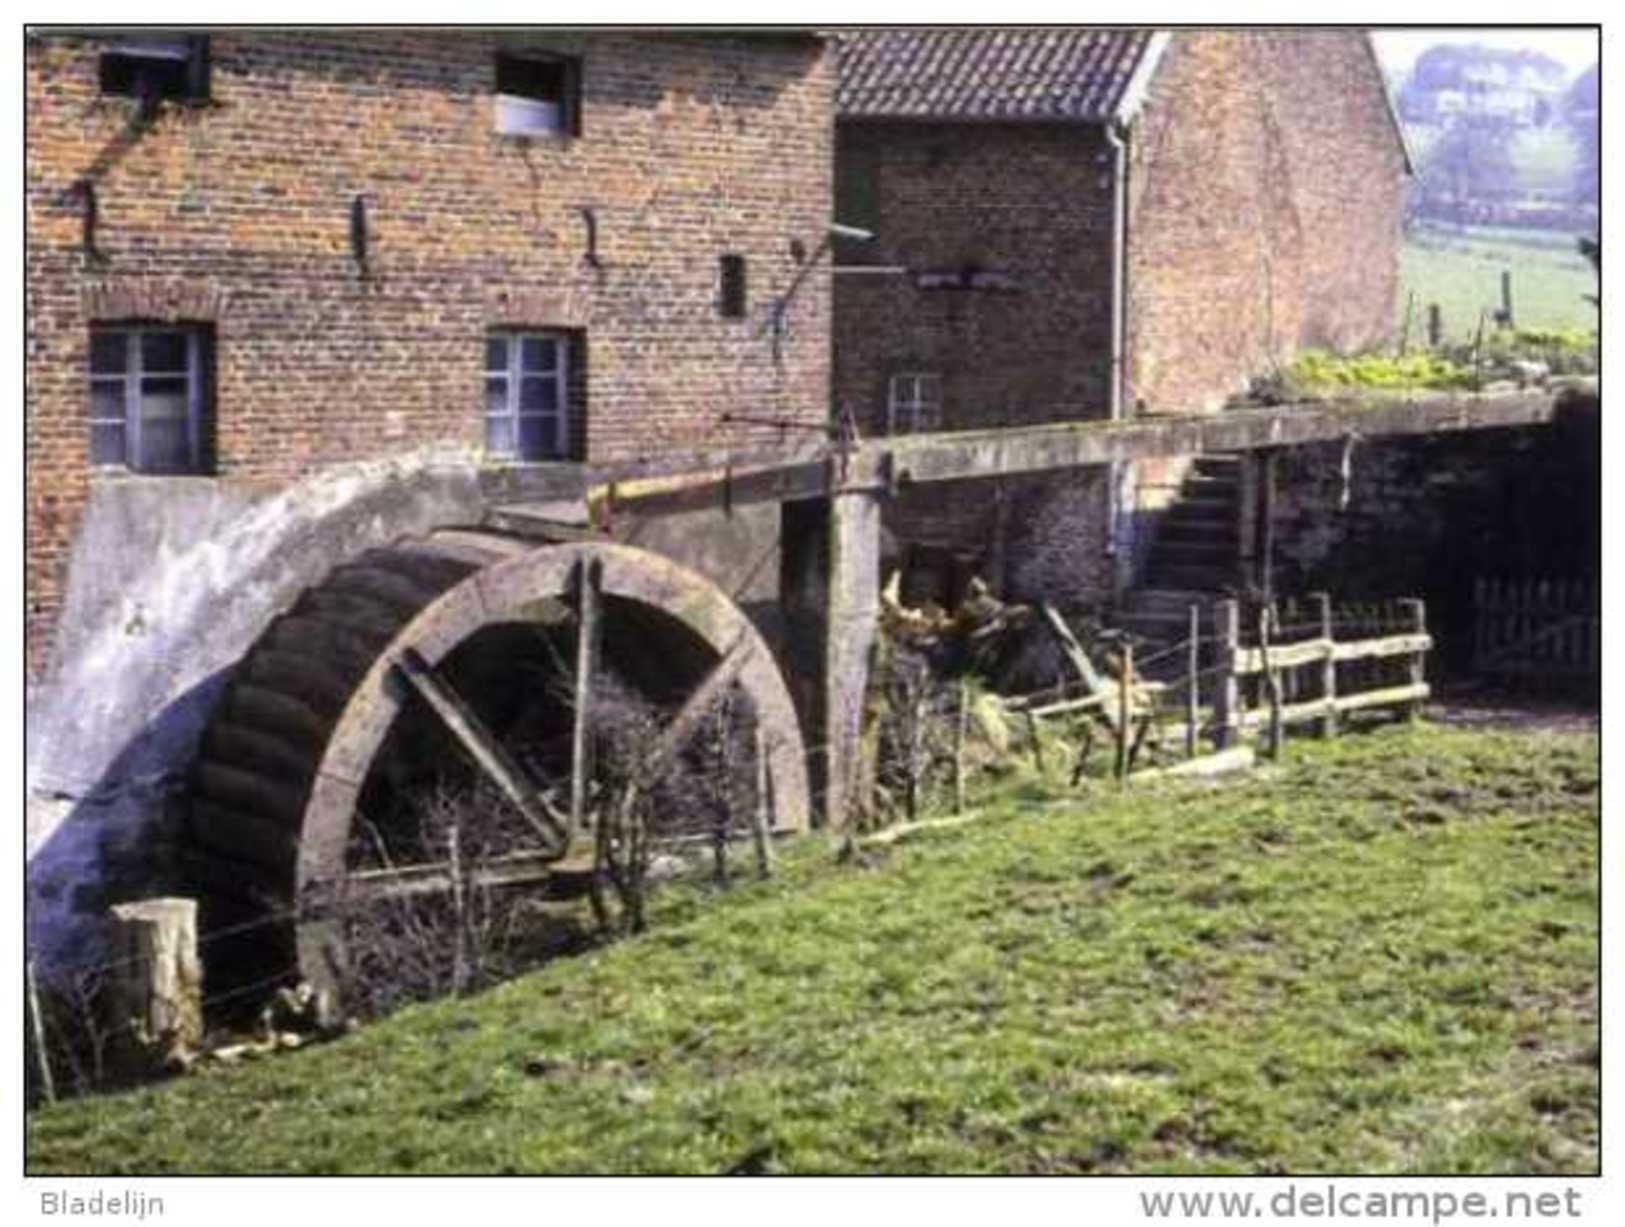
697,483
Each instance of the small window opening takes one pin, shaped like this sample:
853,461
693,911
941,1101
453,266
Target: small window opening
150,397
537,95
914,404
158,68
733,287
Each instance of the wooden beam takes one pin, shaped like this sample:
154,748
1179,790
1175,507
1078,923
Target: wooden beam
483,747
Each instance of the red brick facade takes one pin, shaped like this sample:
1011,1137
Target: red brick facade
236,212
1265,196
1027,204
1264,191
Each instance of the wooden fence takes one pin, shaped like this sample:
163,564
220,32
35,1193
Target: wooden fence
1303,663
1537,627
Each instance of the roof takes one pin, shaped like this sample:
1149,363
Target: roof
1081,75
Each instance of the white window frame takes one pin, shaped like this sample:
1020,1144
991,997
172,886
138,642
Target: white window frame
130,380
913,403
514,373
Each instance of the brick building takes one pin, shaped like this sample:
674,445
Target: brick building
295,296
304,248
1076,224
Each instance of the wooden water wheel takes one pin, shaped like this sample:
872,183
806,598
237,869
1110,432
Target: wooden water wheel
464,651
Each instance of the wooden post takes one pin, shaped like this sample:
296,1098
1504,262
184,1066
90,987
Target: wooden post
761,812
1272,684
1226,693
1506,298
157,982
1416,618
1405,332
1266,516
459,909
1435,326
1125,721
1322,603
36,1028
1038,746
1193,674
961,718
588,581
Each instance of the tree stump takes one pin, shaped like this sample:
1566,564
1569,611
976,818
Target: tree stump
157,985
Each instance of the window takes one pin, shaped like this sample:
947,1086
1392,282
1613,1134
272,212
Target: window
733,287
155,68
914,404
527,383
538,96
149,398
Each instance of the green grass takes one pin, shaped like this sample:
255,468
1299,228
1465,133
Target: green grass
1378,956
1460,269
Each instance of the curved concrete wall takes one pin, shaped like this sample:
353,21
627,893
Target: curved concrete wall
170,581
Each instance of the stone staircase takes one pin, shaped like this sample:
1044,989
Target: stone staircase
1193,560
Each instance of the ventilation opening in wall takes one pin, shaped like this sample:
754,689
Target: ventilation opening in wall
157,68
537,95
733,287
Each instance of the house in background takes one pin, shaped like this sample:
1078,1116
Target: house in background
1096,224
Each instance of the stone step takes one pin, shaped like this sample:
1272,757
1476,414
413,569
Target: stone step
1211,579
1228,467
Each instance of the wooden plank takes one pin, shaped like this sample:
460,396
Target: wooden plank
1237,758
1322,603
517,869
489,753
1251,660
1093,683
1314,709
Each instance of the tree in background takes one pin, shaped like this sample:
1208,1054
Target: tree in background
1580,111
1471,161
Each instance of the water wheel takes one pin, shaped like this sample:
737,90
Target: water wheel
463,654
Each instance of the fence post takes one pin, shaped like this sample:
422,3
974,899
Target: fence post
157,997
1193,679
1125,720
761,819
1435,326
36,1030
960,719
1506,298
1227,629
1272,681
1322,605
1416,620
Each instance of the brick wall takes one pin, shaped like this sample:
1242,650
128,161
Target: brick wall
1265,198
236,213
1029,201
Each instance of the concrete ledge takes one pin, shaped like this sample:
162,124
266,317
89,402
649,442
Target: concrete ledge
944,457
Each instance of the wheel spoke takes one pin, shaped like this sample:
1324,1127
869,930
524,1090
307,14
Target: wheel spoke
687,721
483,746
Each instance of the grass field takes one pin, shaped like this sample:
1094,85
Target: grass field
1460,269
1378,956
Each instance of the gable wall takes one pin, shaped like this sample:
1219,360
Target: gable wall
1265,199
